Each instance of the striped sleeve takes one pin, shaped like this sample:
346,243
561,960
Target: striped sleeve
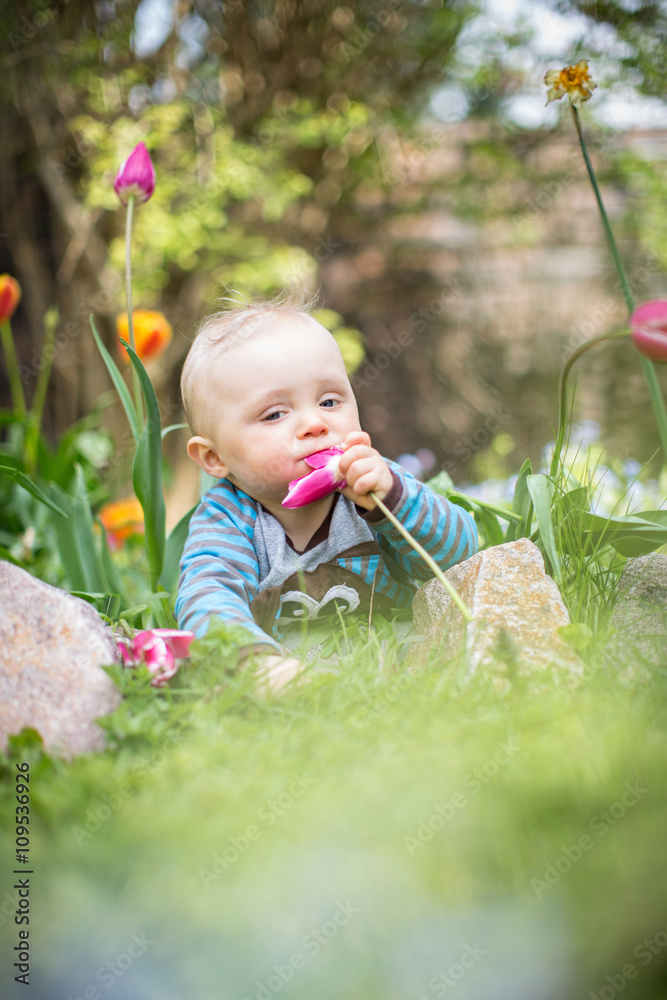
446,531
219,568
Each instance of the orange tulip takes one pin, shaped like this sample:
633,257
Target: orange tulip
122,519
152,333
10,296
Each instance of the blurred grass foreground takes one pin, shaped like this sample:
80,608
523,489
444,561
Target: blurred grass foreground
377,834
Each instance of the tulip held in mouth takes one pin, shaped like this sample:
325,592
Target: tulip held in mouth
136,176
648,329
324,479
158,648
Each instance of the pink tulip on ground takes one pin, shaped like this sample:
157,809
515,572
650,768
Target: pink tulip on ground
158,648
136,176
324,479
648,325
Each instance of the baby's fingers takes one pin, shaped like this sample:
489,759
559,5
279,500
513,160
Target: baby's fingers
356,437
358,469
277,672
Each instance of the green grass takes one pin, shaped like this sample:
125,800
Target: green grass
207,777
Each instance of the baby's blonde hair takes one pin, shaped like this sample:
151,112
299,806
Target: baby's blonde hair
238,321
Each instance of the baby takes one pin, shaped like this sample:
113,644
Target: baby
264,386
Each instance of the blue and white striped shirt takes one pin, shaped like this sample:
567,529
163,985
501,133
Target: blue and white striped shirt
238,564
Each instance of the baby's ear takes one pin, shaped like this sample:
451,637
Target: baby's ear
203,452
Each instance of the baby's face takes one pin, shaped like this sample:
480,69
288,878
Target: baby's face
274,398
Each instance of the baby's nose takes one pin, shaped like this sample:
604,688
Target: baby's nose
312,424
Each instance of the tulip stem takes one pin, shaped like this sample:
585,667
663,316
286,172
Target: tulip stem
648,367
138,399
430,562
15,385
128,270
39,396
562,391
39,399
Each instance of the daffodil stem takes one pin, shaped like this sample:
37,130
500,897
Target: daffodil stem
15,385
655,393
430,562
611,240
562,391
138,399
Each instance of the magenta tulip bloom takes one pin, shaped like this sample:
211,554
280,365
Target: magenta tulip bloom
324,479
136,176
648,325
158,648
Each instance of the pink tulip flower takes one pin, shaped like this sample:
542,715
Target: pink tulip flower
136,176
648,325
158,648
324,479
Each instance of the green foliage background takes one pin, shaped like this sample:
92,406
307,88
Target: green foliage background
288,140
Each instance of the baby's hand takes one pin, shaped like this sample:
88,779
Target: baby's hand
276,672
364,469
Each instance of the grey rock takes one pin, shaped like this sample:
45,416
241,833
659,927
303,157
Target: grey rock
639,618
52,649
516,613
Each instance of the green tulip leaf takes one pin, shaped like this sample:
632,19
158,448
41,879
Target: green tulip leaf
442,483
107,604
541,490
174,551
113,579
489,526
6,556
173,427
473,504
32,487
75,535
119,383
630,535
577,499
521,505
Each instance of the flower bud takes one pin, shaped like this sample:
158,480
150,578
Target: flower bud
152,333
121,520
136,176
648,327
10,296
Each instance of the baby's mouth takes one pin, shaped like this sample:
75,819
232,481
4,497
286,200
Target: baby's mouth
316,451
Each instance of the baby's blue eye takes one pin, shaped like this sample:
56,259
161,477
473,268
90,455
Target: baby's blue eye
273,416
328,402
